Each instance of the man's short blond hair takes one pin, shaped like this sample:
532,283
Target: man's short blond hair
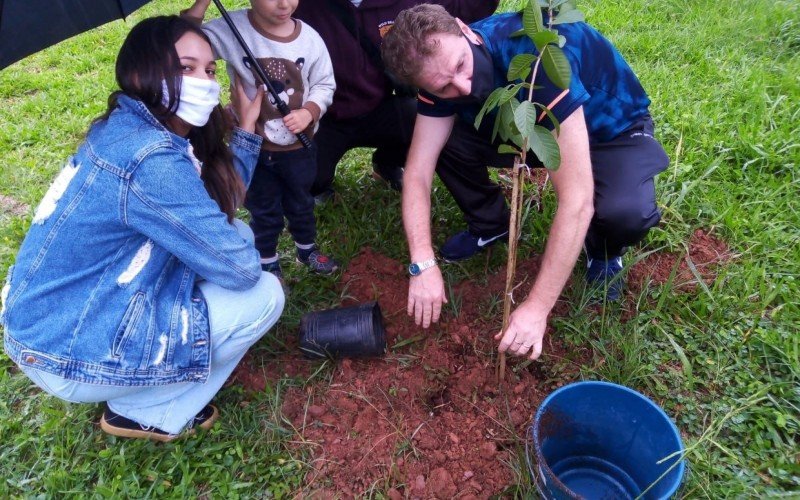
409,43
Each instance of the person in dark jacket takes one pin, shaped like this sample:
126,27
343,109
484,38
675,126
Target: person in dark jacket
366,111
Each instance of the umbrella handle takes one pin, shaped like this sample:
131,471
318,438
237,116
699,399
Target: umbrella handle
282,107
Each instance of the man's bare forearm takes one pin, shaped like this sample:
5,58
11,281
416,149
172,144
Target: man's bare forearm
574,187
563,247
417,217
430,135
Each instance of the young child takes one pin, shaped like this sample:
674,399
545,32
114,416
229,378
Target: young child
298,65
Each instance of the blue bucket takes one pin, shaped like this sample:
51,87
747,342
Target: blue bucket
603,440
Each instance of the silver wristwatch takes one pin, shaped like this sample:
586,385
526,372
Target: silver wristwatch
415,268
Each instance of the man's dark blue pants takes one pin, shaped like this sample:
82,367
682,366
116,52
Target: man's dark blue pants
624,191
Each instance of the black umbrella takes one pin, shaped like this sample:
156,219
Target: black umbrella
28,26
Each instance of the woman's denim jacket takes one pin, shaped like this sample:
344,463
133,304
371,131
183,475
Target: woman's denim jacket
101,290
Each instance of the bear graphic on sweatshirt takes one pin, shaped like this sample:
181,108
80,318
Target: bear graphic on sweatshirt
286,78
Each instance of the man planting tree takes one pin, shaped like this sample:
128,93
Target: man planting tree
604,184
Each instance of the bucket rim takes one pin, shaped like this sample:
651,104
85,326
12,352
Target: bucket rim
534,427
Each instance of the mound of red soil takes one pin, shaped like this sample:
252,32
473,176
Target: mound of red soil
705,252
429,420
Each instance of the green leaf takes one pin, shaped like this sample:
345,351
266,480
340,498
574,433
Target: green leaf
687,365
556,66
569,16
563,5
545,147
489,104
525,117
542,38
532,19
511,92
517,33
508,129
497,122
502,125
520,66
544,4
507,149
552,117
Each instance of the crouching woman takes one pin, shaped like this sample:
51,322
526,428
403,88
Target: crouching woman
135,285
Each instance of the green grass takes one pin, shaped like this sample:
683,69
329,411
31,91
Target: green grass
723,361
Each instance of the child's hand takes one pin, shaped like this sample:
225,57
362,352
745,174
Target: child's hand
246,110
298,120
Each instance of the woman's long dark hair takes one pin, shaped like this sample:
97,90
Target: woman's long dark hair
146,59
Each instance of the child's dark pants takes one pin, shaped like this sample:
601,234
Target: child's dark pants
281,187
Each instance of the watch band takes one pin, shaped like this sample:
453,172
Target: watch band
415,268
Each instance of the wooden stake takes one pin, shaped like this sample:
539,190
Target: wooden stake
511,267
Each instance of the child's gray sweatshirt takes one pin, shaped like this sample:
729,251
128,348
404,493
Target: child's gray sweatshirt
298,66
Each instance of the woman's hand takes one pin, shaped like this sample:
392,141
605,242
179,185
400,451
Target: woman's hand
245,109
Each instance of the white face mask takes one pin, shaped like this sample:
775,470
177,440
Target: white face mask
198,99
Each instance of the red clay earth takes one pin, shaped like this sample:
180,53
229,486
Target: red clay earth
705,252
429,419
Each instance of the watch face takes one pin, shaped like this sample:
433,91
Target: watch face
413,269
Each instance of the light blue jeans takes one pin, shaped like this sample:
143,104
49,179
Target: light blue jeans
237,320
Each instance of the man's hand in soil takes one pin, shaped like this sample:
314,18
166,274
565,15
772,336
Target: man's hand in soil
298,120
525,331
426,296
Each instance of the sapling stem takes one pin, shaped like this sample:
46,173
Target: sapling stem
513,229
516,207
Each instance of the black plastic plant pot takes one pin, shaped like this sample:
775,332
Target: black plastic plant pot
345,332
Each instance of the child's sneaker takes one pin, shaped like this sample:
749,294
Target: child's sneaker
274,268
606,275
316,261
117,425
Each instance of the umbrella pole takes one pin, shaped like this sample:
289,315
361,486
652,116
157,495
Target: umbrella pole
282,107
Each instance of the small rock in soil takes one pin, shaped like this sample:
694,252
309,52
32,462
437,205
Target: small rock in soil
316,411
419,484
440,484
489,449
475,485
